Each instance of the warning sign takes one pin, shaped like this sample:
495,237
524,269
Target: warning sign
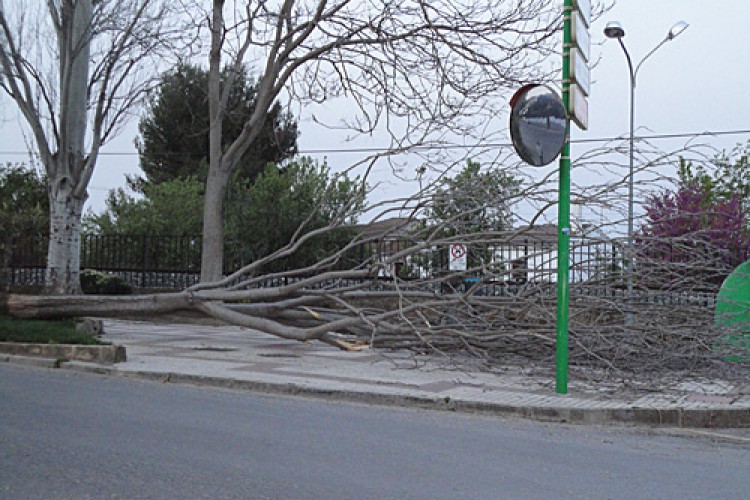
457,257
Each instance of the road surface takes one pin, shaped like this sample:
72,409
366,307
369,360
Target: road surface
72,435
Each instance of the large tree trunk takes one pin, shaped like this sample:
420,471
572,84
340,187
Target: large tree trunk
212,256
67,190
31,306
64,254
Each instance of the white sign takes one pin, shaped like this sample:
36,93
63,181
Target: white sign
457,257
579,71
580,35
584,7
579,107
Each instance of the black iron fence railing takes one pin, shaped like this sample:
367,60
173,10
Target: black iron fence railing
143,260
150,261
117,252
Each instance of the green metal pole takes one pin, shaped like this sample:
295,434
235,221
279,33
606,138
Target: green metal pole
563,219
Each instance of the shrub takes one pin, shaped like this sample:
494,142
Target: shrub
98,283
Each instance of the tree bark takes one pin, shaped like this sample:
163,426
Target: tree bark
65,183
212,256
48,307
64,252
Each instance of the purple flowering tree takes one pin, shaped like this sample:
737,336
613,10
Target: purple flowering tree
691,236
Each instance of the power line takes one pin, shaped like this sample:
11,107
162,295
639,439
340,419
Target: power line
682,135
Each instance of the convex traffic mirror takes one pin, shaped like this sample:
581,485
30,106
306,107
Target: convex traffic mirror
538,124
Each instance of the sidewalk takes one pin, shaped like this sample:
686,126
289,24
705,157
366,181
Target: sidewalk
239,358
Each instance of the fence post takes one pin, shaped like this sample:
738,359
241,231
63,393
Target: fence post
8,259
524,276
144,266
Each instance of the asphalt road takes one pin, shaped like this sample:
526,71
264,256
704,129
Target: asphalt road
72,435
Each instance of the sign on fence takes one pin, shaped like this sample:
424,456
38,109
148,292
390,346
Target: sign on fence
457,257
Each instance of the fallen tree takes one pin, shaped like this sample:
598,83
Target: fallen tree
500,308
432,78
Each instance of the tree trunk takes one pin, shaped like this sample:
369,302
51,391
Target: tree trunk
64,253
212,256
41,307
66,186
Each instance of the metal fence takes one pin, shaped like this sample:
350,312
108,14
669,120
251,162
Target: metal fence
173,262
143,260
23,259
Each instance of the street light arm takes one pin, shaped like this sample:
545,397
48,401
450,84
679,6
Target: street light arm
635,73
630,63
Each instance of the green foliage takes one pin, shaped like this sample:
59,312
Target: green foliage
261,215
24,205
474,201
43,332
265,215
171,208
174,130
24,215
98,283
729,178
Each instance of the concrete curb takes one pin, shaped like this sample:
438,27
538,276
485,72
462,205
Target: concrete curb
101,354
668,417
633,415
30,361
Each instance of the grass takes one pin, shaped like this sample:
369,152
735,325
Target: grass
43,332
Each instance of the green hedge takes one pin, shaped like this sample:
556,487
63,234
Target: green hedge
98,283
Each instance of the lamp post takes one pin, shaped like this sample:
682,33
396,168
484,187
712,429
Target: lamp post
615,30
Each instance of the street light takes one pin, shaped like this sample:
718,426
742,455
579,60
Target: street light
615,30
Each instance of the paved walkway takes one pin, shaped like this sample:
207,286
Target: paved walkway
236,357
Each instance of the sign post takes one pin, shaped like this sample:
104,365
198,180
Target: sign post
563,222
575,88
540,129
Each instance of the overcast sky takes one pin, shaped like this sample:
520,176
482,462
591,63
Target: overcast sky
699,82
